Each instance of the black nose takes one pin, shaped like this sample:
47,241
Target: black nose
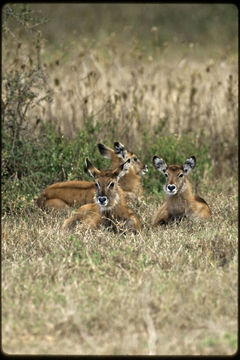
102,199
171,187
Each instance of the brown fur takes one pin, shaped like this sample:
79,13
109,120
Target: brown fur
110,206
65,194
77,193
131,182
180,200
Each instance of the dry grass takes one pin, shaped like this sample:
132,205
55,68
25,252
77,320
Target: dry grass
172,290
137,92
130,89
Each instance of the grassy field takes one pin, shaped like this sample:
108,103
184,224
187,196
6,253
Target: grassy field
172,290
161,88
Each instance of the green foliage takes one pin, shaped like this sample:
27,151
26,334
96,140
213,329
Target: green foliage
36,162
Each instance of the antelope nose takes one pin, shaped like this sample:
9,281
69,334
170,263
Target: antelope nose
171,187
102,199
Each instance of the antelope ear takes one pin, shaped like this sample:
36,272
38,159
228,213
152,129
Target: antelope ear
119,150
122,169
91,169
105,151
189,165
159,164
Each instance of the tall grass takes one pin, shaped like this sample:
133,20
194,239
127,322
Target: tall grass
170,291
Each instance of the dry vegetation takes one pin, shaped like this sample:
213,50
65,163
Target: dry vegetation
133,92
169,291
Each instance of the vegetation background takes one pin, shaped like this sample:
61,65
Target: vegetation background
163,80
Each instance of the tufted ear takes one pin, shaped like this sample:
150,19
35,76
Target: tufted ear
119,150
91,169
189,165
122,170
159,164
105,151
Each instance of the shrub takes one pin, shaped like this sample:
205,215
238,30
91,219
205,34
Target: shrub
39,161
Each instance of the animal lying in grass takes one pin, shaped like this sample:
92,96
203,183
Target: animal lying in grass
131,182
180,200
77,193
109,206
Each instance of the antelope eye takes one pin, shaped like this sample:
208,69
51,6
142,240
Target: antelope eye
111,185
135,159
97,185
166,175
180,175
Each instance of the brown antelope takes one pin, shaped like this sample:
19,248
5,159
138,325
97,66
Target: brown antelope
66,194
77,193
110,205
180,202
131,182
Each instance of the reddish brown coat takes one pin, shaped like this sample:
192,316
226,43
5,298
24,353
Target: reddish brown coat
180,200
110,207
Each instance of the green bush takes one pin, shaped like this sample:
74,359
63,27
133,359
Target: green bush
39,161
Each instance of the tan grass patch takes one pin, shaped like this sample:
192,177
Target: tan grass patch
168,291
